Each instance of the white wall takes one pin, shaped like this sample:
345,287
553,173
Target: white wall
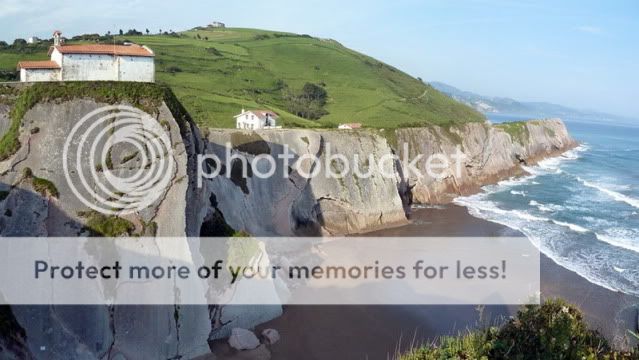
246,122
136,68
31,75
83,67
56,56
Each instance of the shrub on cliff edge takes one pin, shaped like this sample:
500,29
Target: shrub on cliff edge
555,330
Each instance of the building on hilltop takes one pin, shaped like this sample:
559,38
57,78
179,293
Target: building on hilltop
256,119
217,24
350,126
91,62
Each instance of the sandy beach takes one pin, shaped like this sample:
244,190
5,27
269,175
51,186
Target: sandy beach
378,332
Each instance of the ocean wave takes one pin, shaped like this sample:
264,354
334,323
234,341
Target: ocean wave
545,207
515,181
573,227
540,232
526,216
617,269
613,194
552,165
618,242
520,193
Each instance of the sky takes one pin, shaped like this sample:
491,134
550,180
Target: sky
583,54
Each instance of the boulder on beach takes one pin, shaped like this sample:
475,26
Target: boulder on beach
270,336
242,339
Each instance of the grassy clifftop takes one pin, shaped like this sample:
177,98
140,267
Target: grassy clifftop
216,72
145,96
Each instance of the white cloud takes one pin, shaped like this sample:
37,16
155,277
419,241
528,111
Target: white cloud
589,29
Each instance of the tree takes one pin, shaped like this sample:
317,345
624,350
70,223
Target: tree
147,31
3,45
314,92
308,102
206,38
121,32
198,36
109,33
19,42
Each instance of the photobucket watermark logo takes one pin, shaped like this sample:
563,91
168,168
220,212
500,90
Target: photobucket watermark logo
331,164
118,160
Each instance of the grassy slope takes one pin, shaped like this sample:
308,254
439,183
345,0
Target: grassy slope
233,69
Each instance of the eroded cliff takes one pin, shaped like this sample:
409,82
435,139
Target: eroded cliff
326,205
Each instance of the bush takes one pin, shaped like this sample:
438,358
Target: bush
107,225
173,69
554,330
309,102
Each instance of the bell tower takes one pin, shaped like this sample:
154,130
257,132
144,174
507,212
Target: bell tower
57,38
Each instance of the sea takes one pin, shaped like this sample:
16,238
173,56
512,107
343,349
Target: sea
580,209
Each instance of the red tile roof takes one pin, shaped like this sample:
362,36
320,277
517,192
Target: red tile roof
105,49
38,65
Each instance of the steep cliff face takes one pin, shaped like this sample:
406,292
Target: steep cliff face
323,205
38,201
490,153
298,204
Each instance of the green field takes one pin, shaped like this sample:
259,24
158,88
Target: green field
248,68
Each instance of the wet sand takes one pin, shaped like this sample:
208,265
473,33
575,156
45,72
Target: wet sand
378,332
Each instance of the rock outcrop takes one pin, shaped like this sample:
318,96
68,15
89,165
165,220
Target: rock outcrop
323,205
297,204
490,153
37,201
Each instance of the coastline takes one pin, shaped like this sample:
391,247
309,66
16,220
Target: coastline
379,332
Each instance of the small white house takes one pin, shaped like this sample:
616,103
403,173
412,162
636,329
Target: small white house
91,62
217,24
350,126
33,40
256,119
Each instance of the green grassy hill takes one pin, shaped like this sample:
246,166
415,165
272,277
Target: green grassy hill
225,70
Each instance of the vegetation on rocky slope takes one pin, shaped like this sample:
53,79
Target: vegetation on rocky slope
147,97
555,330
517,131
217,72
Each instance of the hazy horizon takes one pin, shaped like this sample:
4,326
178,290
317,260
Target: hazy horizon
580,54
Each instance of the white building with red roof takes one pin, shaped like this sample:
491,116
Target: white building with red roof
91,62
256,119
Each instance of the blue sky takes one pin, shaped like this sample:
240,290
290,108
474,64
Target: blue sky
583,54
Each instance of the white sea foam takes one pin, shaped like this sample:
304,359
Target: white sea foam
618,242
526,216
573,227
520,193
613,194
515,181
543,233
617,269
545,207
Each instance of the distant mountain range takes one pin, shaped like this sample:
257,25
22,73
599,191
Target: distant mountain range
504,105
